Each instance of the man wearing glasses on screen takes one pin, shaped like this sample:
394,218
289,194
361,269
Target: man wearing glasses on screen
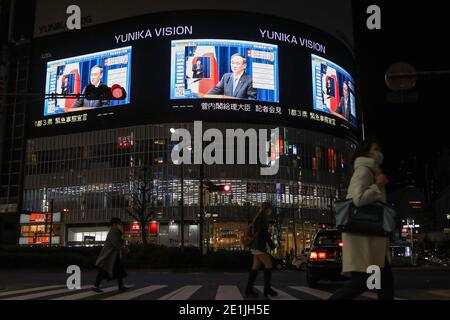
236,84
96,80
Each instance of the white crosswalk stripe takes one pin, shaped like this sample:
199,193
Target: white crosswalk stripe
43,294
281,294
224,292
128,295
313,292
228,293
183,293
10,293
86,294
373,295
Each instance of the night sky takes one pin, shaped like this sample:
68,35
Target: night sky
417,33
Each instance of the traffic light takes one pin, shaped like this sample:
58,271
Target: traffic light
224,188
211,187
103,92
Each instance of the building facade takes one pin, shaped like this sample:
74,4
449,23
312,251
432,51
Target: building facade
88,177
85,174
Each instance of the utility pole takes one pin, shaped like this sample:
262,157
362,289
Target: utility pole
294,232
331,209
303,227
51,222
202,205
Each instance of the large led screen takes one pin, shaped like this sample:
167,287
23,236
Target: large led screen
333,89
224,69
72,75
256,69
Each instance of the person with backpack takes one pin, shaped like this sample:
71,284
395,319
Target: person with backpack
359,251
261,238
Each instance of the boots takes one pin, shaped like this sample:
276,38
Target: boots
249,291
268,291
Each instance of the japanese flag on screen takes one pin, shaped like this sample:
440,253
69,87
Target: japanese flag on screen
205,84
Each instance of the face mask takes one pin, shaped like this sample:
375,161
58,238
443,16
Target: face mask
378,157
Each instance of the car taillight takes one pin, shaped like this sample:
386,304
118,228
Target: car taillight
321,255
341,244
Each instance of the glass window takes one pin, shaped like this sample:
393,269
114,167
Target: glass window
328,239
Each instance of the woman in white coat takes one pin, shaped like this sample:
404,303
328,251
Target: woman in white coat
361,251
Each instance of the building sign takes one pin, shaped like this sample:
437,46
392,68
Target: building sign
40,217
133,228
89,239
153,228
38,240
51,15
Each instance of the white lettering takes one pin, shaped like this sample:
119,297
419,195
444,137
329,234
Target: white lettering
374,20
74,20
74,281
374,281
214,152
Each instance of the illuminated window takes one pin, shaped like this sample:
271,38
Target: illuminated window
331,159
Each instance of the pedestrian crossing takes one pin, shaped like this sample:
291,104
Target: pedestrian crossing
167,292
38,295
15,292
228,293
131,294
281,294
313,292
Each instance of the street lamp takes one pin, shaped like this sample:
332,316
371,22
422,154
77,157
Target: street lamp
172,131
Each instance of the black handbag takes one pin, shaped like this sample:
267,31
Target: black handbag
368,220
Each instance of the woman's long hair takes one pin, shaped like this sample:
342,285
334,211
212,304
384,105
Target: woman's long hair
363,149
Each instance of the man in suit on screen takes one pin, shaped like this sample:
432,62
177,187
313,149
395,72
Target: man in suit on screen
96,80
237,83
345,104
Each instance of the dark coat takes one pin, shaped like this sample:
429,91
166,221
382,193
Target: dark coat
82,102
111,251
344,109
261,230
244,88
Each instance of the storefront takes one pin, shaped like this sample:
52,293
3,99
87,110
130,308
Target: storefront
132,232
170,234
79,235
86,236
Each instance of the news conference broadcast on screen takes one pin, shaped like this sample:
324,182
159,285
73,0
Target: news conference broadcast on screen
147,70
220,67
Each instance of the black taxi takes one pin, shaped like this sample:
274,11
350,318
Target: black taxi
325,257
